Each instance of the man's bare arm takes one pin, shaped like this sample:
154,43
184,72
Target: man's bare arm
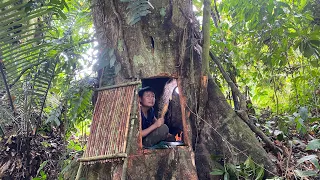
147,131
157,123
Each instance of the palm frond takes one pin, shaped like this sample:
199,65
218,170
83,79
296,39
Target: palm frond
27,63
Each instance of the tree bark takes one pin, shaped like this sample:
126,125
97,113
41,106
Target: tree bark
165,44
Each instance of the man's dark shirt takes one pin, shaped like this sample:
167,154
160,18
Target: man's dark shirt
147,122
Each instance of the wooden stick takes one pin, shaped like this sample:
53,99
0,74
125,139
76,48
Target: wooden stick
133,110
164,110
118,85
134,113
79,171
103,157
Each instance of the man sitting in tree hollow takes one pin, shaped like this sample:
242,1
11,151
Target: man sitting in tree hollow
153,130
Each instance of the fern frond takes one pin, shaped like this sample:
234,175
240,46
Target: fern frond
136,10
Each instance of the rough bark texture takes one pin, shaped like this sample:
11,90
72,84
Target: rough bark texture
165,43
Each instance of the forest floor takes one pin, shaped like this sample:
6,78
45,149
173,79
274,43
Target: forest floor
296,158
39,156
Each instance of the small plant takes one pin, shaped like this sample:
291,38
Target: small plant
41,175
246,170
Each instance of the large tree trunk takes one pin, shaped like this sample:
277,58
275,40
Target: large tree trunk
166,43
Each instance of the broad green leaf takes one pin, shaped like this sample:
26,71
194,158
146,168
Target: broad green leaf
260,173
306,158
112,60
217,172
315,42
315,63
308,51
313,145
305,173
315,162
303,111
249,163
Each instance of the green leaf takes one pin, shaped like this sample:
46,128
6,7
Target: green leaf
217,172
112,60
65,5
305,173
313,145
117,68
315,43
315,63
314,119
308,51
249,163
306,158
315,162
303,111
43,164
62,14
283,4
260,173
226,176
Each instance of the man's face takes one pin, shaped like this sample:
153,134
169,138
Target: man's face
148,99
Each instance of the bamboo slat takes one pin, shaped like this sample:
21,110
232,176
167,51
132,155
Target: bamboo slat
110,124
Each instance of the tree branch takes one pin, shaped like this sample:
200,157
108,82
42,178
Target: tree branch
216,9
86,41
242,113
243,105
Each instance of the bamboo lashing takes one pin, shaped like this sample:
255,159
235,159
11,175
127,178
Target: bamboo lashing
118,85
103,157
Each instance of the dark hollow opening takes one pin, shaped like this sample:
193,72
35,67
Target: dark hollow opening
173,118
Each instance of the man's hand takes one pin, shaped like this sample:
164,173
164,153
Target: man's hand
159,122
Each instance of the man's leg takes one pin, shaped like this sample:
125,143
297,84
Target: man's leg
156,136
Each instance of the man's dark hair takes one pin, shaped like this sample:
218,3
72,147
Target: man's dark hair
145,89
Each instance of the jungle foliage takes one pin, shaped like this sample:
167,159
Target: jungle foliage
270,49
